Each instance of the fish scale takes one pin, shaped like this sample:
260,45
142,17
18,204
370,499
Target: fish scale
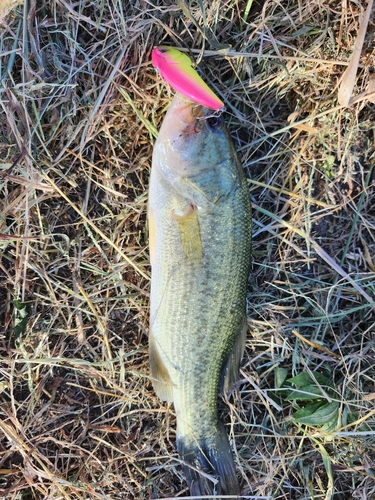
200,227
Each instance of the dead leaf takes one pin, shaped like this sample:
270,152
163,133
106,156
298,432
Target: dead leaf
6,6
314,344
12,237
348,79
371,88
367,255
293,116
306,128
369,397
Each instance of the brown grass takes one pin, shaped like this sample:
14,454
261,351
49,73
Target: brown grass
80,109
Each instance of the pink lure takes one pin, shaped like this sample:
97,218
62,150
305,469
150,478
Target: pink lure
177,69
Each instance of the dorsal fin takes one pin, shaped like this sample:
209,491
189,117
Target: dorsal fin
231,367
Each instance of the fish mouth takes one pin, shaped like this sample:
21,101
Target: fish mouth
193,113
184,117
188,118
188,110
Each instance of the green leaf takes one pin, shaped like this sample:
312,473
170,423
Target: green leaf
328,466
305,393
21,317
280,376
306,31
304,378
307,411
332,425
320,416
352,417
18,305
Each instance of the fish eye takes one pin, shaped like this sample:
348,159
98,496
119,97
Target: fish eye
214,122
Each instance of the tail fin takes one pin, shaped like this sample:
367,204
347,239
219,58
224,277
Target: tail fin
207,460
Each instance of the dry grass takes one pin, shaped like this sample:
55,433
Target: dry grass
80,107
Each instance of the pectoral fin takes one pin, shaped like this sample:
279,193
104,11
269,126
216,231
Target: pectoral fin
160,377
190,233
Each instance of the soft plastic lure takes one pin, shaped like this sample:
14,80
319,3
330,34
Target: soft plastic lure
175,67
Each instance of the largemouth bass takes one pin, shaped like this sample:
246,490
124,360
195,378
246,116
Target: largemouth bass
200,230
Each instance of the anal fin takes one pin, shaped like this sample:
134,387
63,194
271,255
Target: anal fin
151,233
161,380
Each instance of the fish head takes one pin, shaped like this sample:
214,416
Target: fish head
192,140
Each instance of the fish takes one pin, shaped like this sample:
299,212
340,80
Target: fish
199,219
176,68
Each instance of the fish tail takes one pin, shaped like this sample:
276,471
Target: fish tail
208,464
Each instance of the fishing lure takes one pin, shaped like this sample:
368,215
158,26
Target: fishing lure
176,68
